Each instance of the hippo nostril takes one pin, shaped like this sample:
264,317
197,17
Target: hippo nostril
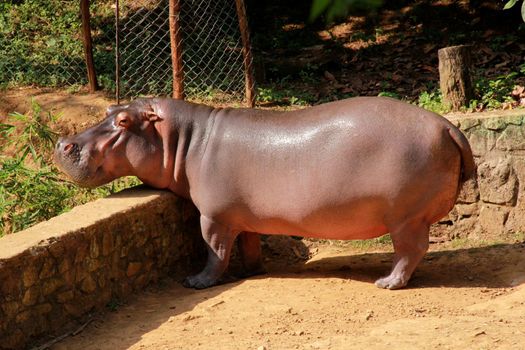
69,148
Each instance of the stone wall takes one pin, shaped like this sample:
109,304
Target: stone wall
494,204
60,270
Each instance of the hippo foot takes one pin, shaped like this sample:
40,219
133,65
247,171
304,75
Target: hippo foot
199,281
391,282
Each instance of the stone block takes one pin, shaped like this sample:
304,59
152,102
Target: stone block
94,248
133,268
467,210
64,265
92,264
43,309
511,139
10,308
14,340
514,119
80,273
482,141
468,123
88,285
57,250
23,317
107,243
141,239
65,296
81,252
51,285
496,124
497,181
31,296
492,219
30,275
49,269
469,192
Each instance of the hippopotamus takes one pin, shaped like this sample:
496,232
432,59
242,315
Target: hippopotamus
357,168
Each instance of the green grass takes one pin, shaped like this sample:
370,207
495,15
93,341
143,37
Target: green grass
31,187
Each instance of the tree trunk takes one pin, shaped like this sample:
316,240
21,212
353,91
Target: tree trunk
454,75
88,46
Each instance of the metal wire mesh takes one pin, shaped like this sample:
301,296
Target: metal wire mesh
39,45
211,50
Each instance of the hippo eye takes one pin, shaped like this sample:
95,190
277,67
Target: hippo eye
123,121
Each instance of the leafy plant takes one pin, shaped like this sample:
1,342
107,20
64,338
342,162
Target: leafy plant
433,101
389,94
511,4
31,188
285,97
492,93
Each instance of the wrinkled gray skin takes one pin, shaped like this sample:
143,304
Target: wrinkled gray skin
352,169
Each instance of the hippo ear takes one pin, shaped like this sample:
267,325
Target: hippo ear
149,114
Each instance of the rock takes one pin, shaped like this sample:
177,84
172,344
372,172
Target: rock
133,268
511,139
492,219
495,124
497,181
88,285
107,244
30,275
482,141
65,296
31,296
466,210
49,268
469,192
468,123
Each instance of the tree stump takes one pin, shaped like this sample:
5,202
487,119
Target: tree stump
454,75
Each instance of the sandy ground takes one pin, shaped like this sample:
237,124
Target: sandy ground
458,299
76,111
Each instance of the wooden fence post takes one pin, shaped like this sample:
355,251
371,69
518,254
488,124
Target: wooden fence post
88,45
176,50
117,51
247,53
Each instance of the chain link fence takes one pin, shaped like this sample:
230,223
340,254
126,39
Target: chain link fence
41,44
212,57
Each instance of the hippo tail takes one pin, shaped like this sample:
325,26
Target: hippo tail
468,166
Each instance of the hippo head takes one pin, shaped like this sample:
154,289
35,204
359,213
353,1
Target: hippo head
121,144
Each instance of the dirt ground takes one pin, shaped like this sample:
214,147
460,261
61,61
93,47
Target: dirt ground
75,111
469,298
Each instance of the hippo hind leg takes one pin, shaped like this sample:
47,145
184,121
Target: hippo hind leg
249,244
219,241
410,245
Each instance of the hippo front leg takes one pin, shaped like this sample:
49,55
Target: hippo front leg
410,245
219,241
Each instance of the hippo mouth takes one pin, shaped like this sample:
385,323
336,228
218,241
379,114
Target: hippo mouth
85,165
